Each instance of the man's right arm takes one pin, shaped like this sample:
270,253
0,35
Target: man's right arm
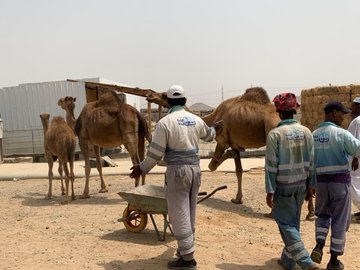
271,163
156,149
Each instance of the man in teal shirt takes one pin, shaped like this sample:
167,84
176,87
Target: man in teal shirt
333,145
289,176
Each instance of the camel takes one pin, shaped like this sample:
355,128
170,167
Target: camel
247,121
107,123
59,141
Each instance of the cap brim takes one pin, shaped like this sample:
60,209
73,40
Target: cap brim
346,111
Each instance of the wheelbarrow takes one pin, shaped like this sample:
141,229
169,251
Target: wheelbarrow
149,200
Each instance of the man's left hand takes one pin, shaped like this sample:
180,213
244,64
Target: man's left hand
310,193
136,171
269,200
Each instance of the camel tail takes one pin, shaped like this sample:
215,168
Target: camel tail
70,145
77,127
143,133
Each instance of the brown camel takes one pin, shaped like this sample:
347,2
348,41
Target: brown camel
59,141
247,121
107,123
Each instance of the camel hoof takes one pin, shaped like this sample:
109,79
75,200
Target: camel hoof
48,197
64,202
73,198
63,193
212,168
84,196
237,201
103,190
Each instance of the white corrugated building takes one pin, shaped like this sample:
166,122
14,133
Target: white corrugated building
21,106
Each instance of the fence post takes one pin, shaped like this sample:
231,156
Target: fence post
1,137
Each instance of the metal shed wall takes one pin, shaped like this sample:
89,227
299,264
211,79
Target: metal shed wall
20,107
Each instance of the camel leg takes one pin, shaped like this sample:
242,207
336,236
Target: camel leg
215,160
103,188
60,170
50,175
228,154
72,179
85,150
239,172
311,210
66,169
133,151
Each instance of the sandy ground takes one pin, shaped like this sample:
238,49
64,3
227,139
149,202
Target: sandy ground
42,234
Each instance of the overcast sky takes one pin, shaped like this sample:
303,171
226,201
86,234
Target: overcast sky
203,45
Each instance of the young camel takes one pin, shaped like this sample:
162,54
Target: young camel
59,141
108,123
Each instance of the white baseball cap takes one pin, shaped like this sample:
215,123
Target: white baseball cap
356,100
175,92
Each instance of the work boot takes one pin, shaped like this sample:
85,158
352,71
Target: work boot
182,264
316,254
335,265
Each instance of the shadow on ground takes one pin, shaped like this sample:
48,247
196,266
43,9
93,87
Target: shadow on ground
230,207
160,262
39,200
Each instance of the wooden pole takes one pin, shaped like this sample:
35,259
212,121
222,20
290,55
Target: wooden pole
1,137
149,115
160,111
1,152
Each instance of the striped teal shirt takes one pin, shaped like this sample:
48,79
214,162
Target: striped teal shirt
289,157
333,145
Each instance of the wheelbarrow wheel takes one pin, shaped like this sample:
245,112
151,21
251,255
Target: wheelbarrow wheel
135,221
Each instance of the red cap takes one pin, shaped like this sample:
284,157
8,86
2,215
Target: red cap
285,102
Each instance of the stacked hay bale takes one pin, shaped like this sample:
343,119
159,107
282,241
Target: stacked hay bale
314,100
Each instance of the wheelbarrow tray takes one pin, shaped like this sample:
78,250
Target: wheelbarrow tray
146,198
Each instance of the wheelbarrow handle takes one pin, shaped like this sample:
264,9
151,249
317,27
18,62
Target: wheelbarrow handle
211,193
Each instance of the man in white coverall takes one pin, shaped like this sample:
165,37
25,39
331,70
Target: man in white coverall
354,129
176,137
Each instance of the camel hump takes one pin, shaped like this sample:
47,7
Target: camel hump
58,120
109,102
256,95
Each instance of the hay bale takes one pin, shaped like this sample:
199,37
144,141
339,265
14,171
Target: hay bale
313,102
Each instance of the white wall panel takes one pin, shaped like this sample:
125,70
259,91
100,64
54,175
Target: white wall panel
21,106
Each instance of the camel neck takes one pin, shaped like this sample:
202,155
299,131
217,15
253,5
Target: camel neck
70,119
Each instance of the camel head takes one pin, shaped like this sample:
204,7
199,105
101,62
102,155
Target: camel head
45,121
158,98
67,103
44,117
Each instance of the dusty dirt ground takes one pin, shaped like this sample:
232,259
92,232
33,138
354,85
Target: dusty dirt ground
42,234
